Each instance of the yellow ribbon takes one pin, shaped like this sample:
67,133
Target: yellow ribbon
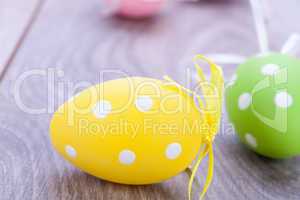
207,151
213,119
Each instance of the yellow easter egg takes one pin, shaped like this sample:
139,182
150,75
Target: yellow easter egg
140,130
131,130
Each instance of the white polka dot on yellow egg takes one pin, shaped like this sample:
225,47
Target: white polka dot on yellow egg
173,151
70,151
102,109
143,103
127,157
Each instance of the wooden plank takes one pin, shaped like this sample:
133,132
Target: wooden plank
15,19
71,36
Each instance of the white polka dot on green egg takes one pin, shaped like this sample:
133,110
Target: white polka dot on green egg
264,105
232,80
283,99
270,69
250,139
244,101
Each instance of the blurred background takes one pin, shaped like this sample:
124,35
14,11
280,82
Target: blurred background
75,40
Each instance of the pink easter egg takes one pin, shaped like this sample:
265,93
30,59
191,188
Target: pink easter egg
134,8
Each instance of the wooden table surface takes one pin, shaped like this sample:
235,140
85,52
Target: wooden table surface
73,40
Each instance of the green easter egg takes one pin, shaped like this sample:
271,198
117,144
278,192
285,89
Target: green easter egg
263,104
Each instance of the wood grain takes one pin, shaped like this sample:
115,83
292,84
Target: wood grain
72,36
15,20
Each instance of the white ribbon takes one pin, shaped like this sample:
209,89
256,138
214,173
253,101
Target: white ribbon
259,20
291,46
226,58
